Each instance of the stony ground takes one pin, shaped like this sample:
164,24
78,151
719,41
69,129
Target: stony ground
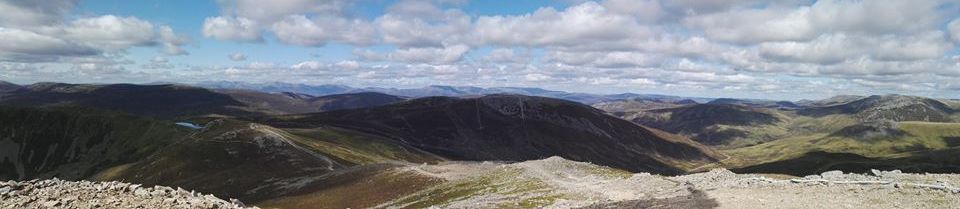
881,189
583,185
56,193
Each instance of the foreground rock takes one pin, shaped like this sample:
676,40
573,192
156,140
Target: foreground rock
57,193
559,183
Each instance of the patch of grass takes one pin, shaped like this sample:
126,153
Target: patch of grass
504,183
365,192
803,125
920,137
359,148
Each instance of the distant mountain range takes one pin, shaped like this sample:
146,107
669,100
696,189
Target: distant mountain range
436,90
170,100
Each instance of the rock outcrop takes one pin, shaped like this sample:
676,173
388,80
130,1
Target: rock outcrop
55,193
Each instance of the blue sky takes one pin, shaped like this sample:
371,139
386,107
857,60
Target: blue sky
792,49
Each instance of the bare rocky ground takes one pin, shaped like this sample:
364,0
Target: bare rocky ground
584,185
881,189
56,193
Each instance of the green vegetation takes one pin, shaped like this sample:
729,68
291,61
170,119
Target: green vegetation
75,143
920,138
356,189
359,148
506,184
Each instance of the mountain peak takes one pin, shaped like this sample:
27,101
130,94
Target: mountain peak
893,107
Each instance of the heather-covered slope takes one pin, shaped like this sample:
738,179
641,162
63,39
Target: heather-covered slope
164,101
515,128
294,103
714,124
73,143
8,87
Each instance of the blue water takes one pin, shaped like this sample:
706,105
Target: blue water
189,125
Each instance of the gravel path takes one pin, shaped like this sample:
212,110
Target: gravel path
56,193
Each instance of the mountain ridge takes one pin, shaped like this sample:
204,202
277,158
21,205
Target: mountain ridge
513,128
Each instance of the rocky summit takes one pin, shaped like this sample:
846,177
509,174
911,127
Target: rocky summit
55,193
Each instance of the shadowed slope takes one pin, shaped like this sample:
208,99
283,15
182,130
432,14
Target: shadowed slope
163,101
514,128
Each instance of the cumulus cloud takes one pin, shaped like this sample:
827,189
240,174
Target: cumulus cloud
41,32
587,25
300,30
110,32
32,13
244,20
232,28
27,46
754,25
173,42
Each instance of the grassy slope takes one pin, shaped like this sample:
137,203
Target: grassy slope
361,187
359,148
921,138
254,162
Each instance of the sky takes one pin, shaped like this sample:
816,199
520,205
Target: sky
789,49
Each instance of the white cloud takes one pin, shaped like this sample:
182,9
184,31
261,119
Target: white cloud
588,25
348,64
98,69
834,48
300,30
309,65
644,10
754,25
232,28
403,30
433,55
607,59
268,12
536,77
507,55
953,28
110,32
26,46
34,13
7,68
172,42
237,56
